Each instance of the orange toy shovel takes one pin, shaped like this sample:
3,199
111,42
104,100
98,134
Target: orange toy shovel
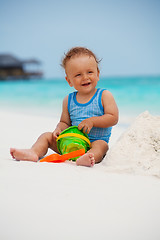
57,158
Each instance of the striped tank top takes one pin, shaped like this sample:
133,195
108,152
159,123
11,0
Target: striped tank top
79,111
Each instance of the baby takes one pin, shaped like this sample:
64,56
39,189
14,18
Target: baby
93,110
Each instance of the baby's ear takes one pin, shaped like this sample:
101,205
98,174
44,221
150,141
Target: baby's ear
69,82
98,72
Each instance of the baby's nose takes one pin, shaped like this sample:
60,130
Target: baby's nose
85,76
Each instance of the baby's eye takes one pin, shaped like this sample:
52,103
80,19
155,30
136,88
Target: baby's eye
90,71
77,75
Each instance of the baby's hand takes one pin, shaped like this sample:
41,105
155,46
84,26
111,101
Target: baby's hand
56,133
86,125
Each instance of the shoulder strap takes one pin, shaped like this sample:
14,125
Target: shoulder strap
100,99
69,101
70,97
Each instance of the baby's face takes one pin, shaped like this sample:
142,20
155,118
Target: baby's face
82,73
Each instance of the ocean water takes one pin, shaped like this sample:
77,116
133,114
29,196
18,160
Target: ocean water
44,97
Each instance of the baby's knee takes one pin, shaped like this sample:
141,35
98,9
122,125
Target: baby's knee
47,135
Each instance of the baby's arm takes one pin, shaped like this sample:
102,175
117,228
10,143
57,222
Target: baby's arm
110,117
64,120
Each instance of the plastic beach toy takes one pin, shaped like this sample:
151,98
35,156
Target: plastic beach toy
57,158
72,139
71,143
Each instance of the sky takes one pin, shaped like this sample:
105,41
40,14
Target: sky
125,34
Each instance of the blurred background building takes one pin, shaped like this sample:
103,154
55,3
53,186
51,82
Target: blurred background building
13,68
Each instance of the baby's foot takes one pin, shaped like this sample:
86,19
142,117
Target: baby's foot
86,160
24,154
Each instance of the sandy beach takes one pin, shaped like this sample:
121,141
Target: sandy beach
40,65
116,199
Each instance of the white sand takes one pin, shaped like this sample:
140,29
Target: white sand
63,201
138,149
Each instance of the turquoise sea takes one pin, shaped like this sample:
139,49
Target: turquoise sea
44,96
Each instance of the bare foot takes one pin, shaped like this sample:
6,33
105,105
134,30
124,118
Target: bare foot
24,154
86,160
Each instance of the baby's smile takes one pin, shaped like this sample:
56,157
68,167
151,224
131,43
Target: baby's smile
86,84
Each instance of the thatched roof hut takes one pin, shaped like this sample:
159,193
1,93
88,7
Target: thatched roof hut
13,68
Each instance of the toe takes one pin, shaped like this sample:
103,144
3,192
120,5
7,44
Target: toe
11,152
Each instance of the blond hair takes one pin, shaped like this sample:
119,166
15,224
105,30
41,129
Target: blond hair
77,51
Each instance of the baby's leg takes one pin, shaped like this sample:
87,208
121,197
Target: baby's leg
38,150
24,154
94,155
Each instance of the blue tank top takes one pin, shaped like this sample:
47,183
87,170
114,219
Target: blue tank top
79,111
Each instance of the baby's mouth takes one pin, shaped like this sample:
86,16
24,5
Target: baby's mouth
86,84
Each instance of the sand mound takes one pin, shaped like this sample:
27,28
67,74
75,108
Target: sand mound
138,148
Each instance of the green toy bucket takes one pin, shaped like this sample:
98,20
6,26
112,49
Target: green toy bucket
72,139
